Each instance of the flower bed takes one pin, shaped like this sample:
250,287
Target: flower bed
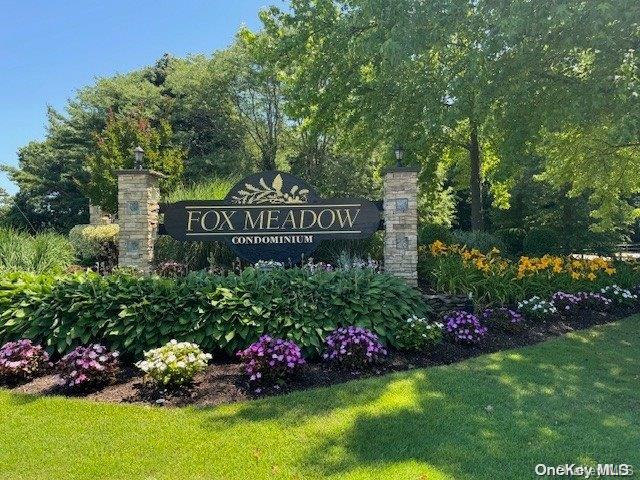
493,279
225,381
291,328
221,314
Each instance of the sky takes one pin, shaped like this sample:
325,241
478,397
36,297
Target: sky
51,48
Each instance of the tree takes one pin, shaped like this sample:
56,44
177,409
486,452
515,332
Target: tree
257,93
50,196
442,75
204,117
115,151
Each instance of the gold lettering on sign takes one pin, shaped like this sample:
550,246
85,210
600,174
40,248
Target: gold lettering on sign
289,219
331,220
302,217
248,220
191,219
347,217
204,219
227,219
272,218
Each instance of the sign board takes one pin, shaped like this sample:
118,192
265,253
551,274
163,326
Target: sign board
271,216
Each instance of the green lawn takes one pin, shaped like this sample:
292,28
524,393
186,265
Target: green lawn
574,399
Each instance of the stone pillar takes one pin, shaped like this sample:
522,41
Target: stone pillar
97,216
138,209
400,204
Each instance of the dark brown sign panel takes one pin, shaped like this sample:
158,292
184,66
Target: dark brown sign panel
271,216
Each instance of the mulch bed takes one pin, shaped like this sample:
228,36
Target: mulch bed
224,382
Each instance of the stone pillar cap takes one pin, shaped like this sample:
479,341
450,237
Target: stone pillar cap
151,173
396,169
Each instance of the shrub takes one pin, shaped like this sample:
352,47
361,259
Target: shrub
418,334
537,309
544,240
88,367
177,363
620,297
47,253
96,244
503,319
171,269
197,255
571,303
430,232
353,347
22,360
212,189
91,242
271,361
220,313
478,240
464,327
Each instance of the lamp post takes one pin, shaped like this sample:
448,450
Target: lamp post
139,155
399,152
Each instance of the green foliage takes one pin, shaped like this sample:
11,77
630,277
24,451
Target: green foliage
491,279
542,219
115,151
475,84
330,251
94,242
132,313
204,117
42,253
216,188
418,334
50,197
479,240
430,232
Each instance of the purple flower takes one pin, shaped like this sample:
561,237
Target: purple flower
464,327
88,366
353,347
271,360
575,302
22,360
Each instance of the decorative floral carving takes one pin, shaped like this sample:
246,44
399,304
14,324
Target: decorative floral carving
263,194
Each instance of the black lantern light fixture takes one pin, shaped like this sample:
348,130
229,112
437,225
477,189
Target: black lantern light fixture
398,150
139,155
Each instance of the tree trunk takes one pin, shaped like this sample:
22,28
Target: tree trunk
475,161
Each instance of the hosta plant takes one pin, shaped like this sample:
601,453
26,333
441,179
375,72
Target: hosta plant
464,327
271,361
174,364
537,308
572,303
353,347
503,319
620,297
22,360
171,269
88,367
418,334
